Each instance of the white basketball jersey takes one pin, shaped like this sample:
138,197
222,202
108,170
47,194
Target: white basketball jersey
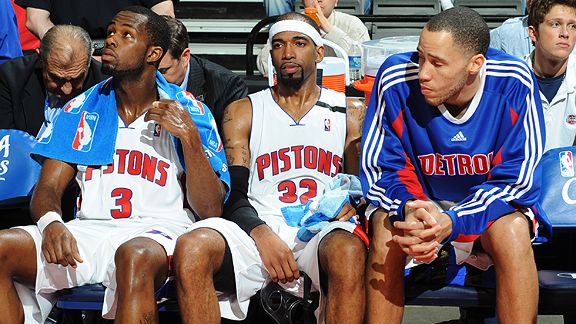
142,182
291,162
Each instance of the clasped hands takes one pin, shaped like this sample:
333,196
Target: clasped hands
423,228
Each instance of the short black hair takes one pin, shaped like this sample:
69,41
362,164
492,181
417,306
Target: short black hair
467,27
300,17
155,26
540,8
178,39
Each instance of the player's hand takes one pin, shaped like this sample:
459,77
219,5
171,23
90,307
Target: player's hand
173,117
347,212
421,230
59,245
275,254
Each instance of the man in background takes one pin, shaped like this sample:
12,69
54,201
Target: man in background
552,28
209,82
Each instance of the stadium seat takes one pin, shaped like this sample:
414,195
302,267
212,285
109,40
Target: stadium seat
18,176
406,7
18,171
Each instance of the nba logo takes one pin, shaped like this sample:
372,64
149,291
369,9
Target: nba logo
327,124
157,129
74,105
566,164
189,102
85,131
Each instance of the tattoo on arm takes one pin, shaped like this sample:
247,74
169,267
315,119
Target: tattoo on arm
227,116
245,155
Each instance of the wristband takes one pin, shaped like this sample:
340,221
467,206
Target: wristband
47,219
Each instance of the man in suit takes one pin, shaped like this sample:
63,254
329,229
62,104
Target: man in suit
207,81
34,87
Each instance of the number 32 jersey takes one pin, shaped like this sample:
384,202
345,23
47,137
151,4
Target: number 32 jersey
292,161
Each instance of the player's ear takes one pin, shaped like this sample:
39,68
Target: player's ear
320,53
154,54
476,63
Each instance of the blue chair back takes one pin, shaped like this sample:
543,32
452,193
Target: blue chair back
559,186
18,171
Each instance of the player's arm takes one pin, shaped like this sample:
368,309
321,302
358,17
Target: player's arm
275,253
355,112
204,190
58,244
387,173
515,177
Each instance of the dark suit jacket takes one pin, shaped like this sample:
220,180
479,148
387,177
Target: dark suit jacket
214,85
22,92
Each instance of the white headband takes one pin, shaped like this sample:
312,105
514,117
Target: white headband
295,26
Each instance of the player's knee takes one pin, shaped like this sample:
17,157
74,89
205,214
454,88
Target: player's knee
132,256
510,236
198,249
11,244
342,252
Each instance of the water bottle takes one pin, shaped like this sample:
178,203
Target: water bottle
355,61
312,13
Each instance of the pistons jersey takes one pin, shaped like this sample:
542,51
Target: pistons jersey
142,182
486,162
292,161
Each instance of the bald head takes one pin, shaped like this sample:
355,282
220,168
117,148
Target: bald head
65,54
67,42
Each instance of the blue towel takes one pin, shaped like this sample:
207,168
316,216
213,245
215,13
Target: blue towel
84,132
312,216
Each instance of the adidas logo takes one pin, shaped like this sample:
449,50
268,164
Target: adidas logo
459,137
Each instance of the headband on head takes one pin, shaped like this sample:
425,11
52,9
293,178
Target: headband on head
295,26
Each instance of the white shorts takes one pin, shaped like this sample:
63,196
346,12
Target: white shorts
250,272
97,242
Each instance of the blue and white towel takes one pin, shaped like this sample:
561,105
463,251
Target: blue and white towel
312,216
85,130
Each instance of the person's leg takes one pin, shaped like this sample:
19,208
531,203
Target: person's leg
342,257
17,262
198,256
278,7
141,268
507,241
384,273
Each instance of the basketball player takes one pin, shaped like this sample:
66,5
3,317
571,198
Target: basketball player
450,152
131,209
283,145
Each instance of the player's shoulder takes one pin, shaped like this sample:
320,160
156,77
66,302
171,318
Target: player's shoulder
505,69
332,98
399,66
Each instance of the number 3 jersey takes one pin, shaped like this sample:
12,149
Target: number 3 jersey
291,161
142,182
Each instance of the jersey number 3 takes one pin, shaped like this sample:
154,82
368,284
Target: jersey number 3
288,190
123,196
